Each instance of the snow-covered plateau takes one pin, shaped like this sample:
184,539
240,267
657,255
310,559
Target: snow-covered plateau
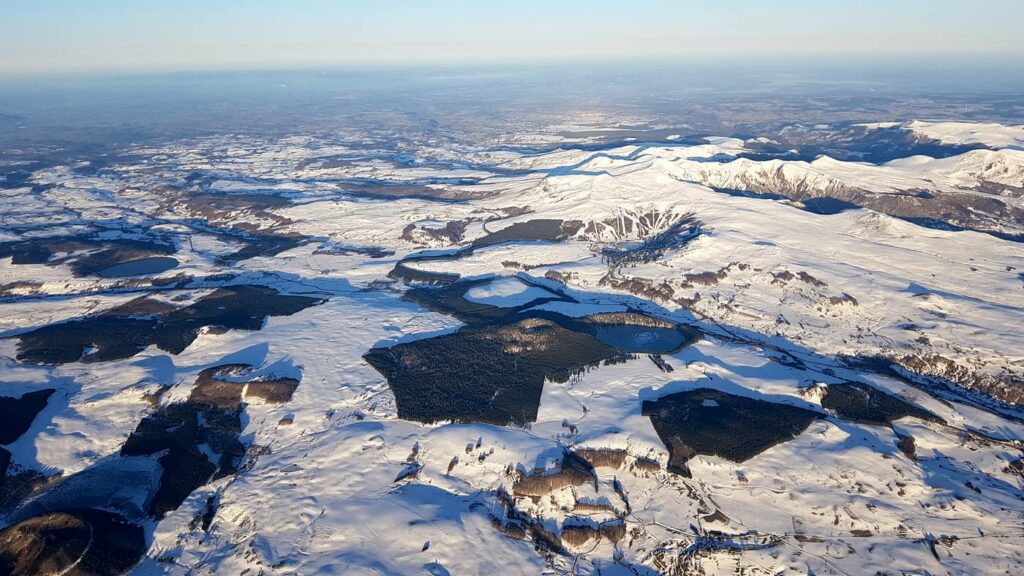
311,355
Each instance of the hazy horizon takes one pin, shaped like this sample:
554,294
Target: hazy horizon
60,36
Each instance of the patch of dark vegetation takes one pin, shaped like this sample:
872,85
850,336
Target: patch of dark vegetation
869,405
109,337
198,440
560,277
949,226
85,255
511,528
949,211
1015,467
17,414
248,211
628,319
646,465
154,397
347,250
784,277
73,542
493,369
205,519
841,300
908,446
67,342
585,506
272,390
451,233
16,417
513,265
179,280
643,287
948,380
580,535
245,218
177,431
575,470
603,457
389,189
220,386
541,230
1006,387
141,306
714,423
486,373
17,483
575,532
410,275
194,442
20,287
660,363
519,524
262,244
805,277
704,278
218,205
679,233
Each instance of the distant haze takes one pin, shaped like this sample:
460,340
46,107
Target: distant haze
81,36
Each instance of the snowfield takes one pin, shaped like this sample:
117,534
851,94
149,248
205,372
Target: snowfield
507,292
993,135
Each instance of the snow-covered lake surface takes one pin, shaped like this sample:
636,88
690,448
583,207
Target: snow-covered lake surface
141,267
506,293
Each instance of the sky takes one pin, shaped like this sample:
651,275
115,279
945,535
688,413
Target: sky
42,36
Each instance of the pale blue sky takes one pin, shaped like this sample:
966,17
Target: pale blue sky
85,35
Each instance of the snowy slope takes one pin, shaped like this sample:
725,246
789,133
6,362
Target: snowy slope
991,135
